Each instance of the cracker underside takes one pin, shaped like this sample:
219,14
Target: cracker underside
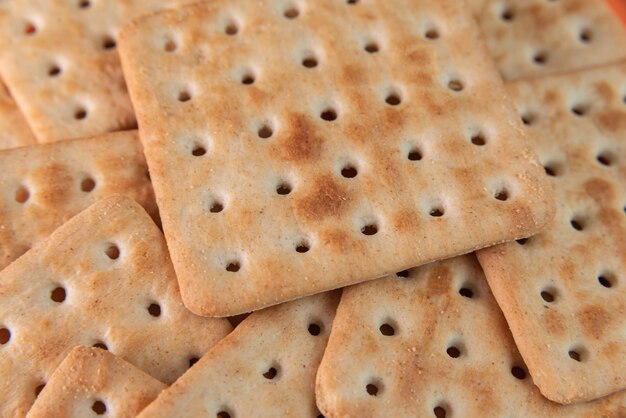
60,61
264,199
537,37
562,291
265,368
93,380
103,279
42,186
392,352
14,131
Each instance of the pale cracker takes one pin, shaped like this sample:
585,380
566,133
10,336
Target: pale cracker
563,291
14,132
432,342
264,198
265,368
535,37
104,278
59,59
42,186
91,381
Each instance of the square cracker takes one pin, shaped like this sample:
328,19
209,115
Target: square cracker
535,37
265,368
432,342
563,291
104,278
14,132
91,380
297,147
59,60
42,186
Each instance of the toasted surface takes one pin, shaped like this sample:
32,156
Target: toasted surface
59,59
14,131
265,198
265,368
536,37
399,334
91,380
42,186
563,291
103,278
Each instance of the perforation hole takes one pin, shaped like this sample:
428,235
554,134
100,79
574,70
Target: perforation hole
184,96
5,335
58,294
552,169
455,85
283,188
606,280
431,34
466,292
522,241
271,373
216,206
54,70
154,310
113,252
329,115
108,43
101,346
99,407
577,353
369,229
403,274
84,4
415,154
352,2
309,62
192,361
605,158
314,329
87,184
30,28
518,372
248,79
231,29
578,224
39,388
349,172
580,109
233,266
265,132
387,330
478,139
372,388
585,36
453,351
80,113
393,99
303,247
291,13
540,58
170,46
440,411
436,212
502,195
223,414
371,47
22,195
198,150
548,295
528,119
507,15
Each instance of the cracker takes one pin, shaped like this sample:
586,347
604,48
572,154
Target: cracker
42,186
14,131
476,6
432,342
93,381
563,291
60,62
265,198
265,368
103,279
538,37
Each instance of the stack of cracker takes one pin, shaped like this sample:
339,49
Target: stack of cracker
330,208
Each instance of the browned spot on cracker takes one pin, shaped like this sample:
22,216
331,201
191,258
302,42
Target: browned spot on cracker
613,121
335,239
353,75
405,219
604,90
326,199
302,144
552,97
439,280
594,320
600,190
55,184
554,321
